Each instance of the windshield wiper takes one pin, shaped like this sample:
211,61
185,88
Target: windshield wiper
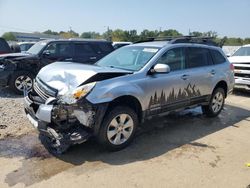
113,67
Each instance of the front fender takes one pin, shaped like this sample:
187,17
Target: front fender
103,93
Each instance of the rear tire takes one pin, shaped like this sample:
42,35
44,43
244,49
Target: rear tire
118,128
18,79
216,103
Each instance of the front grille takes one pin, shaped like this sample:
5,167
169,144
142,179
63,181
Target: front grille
43,90
242,75
242,68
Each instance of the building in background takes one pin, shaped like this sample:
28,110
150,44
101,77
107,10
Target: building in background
33,37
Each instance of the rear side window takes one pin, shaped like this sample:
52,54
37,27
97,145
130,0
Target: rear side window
82,49
174,58
198,57
103,47
4,47
217,57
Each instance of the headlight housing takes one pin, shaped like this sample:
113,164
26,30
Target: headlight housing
74,95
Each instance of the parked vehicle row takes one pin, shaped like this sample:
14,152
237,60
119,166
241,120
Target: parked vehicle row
18,69
71,102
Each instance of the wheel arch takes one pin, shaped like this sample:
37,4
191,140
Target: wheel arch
222,84
129,101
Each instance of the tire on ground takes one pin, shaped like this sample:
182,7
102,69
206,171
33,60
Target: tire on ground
208,109
103,135
16,75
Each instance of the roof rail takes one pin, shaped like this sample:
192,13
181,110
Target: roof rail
183,39
86,39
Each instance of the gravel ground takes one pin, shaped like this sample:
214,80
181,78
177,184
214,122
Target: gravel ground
182,150
13,121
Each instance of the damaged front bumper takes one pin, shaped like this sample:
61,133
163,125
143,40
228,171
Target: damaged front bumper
64,125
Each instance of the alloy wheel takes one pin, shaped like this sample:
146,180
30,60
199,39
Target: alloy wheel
23,80
120,129
217,102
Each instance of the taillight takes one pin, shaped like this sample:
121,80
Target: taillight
231,67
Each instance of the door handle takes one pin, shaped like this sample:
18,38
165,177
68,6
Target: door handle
184,77
92,58
212,72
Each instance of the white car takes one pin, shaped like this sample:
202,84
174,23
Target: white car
241,61
25,46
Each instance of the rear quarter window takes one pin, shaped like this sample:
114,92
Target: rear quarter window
82,49
4,47
103,47
217,57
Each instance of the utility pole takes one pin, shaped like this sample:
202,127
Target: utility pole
109,37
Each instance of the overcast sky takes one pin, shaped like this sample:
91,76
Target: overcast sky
227,17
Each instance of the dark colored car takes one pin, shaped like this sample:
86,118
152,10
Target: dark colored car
4,47
19,69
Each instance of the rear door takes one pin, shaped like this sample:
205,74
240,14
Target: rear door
199,73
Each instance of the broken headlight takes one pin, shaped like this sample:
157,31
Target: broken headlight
74,95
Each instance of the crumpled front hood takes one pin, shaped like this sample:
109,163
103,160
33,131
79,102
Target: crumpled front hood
239,59
14,55
65,76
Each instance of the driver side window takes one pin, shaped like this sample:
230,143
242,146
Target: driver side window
174,58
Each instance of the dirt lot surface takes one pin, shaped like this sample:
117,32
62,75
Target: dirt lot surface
182,150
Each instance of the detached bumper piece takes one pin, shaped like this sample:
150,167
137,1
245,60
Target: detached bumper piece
57,139
58,143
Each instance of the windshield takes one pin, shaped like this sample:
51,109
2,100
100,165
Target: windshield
131,58
243,51
36,48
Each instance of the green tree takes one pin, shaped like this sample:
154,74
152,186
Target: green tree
69,34
118,35
9,36
148,34
196,33
247,41
212,34
49,32
90,35
170,32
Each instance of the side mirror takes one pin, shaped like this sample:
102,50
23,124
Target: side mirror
46,53
228,55
160,68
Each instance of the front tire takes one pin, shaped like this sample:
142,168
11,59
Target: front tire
118,128
216,103
18,79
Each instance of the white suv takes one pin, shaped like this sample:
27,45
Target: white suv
241,61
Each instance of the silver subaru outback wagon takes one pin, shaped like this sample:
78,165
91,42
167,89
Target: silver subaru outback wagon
71,102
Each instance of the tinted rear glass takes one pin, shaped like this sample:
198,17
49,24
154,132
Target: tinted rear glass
104,47
217,57
82,49
198,57
4,47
